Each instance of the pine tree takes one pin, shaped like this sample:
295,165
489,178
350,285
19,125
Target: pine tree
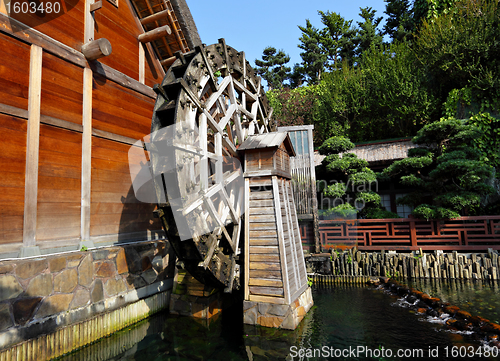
272,67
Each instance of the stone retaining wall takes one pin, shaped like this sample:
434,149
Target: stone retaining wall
43,294
453,265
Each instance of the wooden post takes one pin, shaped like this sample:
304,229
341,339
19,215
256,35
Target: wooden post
97,49
86,157
155,34
32,152
157,16
142,63
247,239
413,234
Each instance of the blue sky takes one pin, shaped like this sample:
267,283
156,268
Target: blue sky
250,26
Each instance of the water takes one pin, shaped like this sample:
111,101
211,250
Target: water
343,319
476,297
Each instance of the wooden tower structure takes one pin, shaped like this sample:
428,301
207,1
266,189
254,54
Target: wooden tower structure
275,272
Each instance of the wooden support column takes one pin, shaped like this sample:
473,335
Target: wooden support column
89,22
32,149
86,159
142,63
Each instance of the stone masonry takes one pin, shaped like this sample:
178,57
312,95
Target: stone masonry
32,290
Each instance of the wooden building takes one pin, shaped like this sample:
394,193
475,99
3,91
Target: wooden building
275,271
76,91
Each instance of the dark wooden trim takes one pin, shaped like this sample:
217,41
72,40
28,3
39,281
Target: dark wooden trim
115,137
121,79
44,119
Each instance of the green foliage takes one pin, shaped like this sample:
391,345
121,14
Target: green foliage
354,178
336,190
489,143
460,48
425,211
369,198
384,96
448,177
345,210
378,213
335,145
272,67
399,23
368,37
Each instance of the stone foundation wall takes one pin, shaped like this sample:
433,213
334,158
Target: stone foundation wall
286,316
43,294
453,265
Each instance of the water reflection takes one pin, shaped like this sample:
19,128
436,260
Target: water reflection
343,318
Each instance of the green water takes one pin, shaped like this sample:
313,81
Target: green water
343,319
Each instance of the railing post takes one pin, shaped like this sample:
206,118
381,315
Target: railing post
413,234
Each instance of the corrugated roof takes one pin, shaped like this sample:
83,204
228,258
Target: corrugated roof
266,140
377,152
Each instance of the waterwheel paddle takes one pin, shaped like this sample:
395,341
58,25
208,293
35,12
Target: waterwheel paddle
208,103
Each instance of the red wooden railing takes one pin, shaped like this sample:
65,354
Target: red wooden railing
464,234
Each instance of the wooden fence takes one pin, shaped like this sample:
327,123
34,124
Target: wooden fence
407,234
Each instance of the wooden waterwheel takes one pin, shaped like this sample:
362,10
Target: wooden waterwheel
208,103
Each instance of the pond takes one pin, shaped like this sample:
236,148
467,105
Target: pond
346,323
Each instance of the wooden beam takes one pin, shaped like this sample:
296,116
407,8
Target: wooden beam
32,147
155,34
96,6
169,61
44,119
158,16
114,137
122,79
86,155
97,49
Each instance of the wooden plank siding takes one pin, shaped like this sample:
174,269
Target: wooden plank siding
13,165
121,112
14,72
67,29
62,89
114,207
117,24
265,276
59,186
117,110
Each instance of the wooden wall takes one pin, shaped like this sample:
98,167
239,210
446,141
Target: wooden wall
59,184
73,146
14,72
12,163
